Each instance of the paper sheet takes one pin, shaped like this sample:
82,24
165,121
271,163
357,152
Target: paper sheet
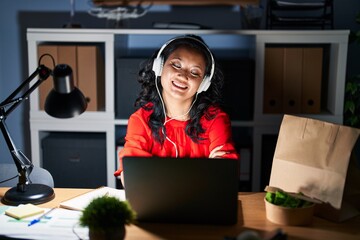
59,224
80,202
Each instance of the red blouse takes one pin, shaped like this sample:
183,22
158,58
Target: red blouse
139,141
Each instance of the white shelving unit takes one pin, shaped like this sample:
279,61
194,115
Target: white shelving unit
256,40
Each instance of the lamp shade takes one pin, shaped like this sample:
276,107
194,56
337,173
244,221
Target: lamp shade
64,100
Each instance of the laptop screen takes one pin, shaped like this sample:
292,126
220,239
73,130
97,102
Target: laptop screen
182,190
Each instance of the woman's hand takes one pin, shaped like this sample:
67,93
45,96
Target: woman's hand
217,153
122,178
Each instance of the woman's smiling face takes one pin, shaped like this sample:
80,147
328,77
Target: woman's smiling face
182,73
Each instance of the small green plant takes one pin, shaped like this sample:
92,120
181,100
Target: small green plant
355,35
107,213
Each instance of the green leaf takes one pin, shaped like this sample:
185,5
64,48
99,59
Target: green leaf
291,202
280,198
354,120
270,197
349,107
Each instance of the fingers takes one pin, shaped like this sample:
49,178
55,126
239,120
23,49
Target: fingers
215,153
122,179
218,154
215,150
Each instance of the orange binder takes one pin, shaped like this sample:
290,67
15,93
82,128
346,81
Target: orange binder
91,76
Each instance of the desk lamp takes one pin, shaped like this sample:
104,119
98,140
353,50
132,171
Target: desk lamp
63,101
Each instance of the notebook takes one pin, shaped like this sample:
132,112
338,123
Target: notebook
79,203
182,190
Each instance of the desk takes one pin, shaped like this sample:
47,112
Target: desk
251,214
180,2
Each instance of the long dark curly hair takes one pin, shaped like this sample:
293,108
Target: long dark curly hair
149,94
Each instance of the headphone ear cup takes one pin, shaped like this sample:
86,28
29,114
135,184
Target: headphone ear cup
205,84
157,66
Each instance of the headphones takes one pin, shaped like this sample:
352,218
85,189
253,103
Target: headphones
159,63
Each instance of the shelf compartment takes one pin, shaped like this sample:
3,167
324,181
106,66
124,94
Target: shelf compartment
79,157
87,63
127,86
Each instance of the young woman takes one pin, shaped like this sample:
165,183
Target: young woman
179,112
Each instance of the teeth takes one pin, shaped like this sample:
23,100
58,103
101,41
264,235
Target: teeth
179,85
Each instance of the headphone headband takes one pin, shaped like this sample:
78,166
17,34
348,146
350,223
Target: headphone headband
159,62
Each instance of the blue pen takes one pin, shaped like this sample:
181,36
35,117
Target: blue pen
39,218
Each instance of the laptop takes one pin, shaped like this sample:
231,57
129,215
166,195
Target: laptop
182,190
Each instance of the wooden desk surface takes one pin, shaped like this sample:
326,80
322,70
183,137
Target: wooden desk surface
251,214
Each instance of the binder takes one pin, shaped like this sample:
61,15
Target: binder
311,82
47,85
273,80
292,80
91,76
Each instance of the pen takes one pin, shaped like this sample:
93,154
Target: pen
39,218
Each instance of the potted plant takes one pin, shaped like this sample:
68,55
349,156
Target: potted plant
352,101
106,218
352,90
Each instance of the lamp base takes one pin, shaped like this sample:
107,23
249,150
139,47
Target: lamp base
35,194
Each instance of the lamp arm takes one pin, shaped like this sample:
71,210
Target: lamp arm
23,164
42,71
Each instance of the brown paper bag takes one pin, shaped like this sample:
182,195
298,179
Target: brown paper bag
312,157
